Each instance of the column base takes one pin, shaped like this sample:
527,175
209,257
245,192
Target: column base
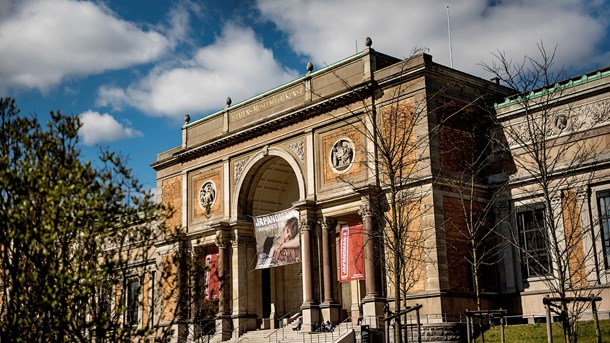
223,327
372,311
355,311
243,323
311,317
330,312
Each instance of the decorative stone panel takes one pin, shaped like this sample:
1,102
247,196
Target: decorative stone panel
342,155
206,195
172,197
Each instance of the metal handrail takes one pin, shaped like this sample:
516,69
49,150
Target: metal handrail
282,326
338,328
240,331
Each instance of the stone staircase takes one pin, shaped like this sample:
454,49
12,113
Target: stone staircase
431,333
287,335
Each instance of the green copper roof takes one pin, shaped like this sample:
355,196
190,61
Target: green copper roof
573,82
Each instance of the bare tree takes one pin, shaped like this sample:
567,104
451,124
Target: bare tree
398,151
399,123
474,229
391,122
555,154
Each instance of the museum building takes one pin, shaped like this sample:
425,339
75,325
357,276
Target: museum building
281,194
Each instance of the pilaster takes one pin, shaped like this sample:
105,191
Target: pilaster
329,308
243,316
310,308
373,303
223,317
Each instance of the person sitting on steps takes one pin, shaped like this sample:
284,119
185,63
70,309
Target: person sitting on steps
299,324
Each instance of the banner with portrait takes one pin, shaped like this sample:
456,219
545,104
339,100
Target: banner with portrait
212,286
351,253
277,239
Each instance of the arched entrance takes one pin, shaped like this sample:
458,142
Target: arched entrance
272,184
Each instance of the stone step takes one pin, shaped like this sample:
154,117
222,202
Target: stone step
290,336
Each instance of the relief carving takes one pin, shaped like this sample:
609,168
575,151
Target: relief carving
207,195
563,121
342,155
239,168
298,148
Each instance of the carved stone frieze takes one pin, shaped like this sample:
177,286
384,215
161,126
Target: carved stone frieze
561,121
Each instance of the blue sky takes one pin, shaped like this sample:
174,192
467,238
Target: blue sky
132,69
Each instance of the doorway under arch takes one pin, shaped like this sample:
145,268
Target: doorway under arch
271,185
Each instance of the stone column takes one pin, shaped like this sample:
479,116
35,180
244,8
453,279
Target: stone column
310,308
329,309
373,302
223,317
242,292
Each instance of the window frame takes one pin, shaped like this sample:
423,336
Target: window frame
132,301
533,256
604,232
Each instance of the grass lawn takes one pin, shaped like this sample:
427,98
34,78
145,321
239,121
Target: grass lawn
536,333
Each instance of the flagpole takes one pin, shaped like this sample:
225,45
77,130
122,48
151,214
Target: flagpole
449,29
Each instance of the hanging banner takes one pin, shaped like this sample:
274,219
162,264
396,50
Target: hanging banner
351,253
277,239
212,286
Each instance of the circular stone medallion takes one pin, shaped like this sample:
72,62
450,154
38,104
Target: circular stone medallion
207,195
342,155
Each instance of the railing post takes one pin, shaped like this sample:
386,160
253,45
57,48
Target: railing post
596,320
549,322
418,326
468,333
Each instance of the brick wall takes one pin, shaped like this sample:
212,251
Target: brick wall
462,135
145,299
172,197
573,236
457,245
169,286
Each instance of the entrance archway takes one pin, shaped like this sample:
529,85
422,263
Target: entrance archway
272,182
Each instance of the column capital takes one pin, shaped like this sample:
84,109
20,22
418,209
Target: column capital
223,235
327,223
307,223
222,240
241,240
366,210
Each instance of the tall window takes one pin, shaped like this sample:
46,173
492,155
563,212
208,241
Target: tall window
533,238
603,200
133,301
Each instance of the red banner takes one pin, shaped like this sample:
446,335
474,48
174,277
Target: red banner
351,253
212,286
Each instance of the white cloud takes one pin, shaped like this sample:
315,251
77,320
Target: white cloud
102,127
326,31
235,65
44,42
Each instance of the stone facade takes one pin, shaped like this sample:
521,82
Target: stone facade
308,146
